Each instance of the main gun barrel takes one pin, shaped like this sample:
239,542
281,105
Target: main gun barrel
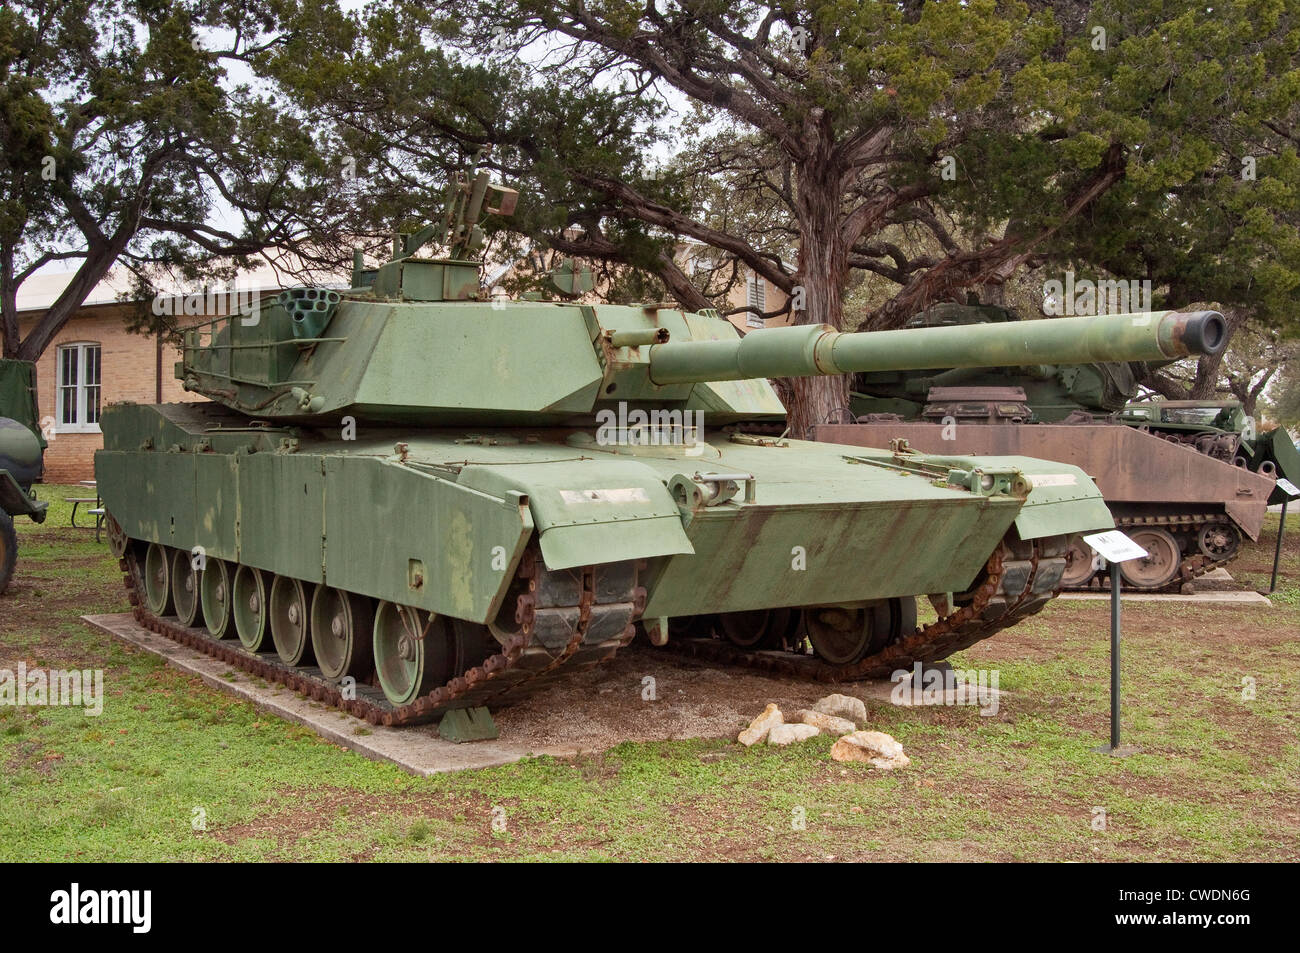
817,349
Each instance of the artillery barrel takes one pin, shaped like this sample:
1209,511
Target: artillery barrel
817,349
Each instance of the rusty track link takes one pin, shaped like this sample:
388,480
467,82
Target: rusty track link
527,660
1191,567
1020,578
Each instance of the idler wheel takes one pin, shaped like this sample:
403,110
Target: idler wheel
158,580
290,622
185,589
215,596
1078,564
250,609
342,633
1159,566
1218,541
412,652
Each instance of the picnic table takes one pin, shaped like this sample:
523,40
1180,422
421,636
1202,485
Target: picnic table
97,511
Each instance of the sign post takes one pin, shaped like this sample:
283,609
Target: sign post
1291,490
1115,547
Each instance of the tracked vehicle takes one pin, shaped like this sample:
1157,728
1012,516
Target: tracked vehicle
414,504
22,452
1186,479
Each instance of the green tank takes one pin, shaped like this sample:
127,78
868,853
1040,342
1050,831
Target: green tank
1187,479
21,458
416,504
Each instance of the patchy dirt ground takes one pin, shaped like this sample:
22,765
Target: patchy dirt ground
646,694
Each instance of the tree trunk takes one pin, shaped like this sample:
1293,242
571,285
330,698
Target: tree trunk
9,340
819,280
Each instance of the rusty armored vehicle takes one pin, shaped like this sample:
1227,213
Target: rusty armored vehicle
415,503
21,458
1187,480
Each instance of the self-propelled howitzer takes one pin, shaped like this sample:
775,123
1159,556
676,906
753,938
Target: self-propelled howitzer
441,502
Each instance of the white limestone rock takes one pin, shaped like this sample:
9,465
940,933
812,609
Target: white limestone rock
875,747
788,734
828,724
843,706
760,726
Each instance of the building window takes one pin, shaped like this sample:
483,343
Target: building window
755,300
78,388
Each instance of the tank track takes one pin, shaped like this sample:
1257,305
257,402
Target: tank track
1192,566
568,621
1019,580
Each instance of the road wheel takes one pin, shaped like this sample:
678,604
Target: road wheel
215,596
342,633
756,628
1078,564
158,580
842,636
413,654
1159,567
185,589
249,609
290,620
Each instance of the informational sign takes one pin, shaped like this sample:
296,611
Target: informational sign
1114,546
1288,487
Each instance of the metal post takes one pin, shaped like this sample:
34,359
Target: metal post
1114,656
1277,552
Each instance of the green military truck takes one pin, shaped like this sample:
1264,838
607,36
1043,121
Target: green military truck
21,458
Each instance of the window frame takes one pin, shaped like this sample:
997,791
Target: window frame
755,297
81,388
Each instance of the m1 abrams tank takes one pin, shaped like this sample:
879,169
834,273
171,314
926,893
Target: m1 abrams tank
407,502
21,459
1186,480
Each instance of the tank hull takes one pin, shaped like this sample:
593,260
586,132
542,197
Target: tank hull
468,526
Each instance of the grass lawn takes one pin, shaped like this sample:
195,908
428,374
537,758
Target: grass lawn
1217,776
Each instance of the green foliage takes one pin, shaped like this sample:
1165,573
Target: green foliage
886,156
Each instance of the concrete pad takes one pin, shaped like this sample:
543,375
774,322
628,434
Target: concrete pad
1249,597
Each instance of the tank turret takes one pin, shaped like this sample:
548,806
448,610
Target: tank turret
410,345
